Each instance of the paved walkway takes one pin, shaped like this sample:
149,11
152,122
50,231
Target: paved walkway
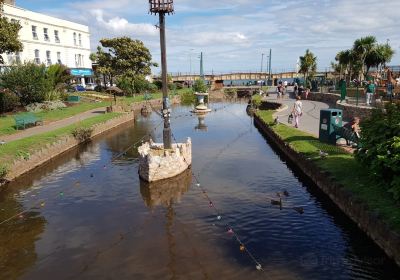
309,122
53,125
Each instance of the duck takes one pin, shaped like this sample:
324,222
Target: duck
299,210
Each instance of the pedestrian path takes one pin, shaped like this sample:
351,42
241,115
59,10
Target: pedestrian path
53,125
309,122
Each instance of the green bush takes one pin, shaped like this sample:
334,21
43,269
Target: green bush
133,85
158,84
200,86
188,98
8,101
3,171
28,81
230,92
380,144
82,133
153,88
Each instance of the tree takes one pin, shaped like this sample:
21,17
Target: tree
29,82
362,48
123,56
9,30
308,65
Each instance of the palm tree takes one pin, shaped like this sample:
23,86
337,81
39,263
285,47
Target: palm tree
344,59
308,65
362,48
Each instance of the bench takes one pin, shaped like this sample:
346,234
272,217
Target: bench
24,119
347,134
74,99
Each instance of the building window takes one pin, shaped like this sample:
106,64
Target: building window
56,37
74,38
59,58
37,57
80,39
48,57
34,32
46,34
82,62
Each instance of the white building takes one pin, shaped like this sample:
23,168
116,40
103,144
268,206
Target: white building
50,40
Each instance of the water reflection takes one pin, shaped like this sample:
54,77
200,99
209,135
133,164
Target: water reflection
17,238
166,192
202,124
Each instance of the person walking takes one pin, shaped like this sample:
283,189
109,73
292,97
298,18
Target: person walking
369,92
297,111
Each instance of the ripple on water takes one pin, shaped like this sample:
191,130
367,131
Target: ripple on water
107,226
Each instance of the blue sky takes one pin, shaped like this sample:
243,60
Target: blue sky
233,34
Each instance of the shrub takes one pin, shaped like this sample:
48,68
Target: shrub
3,171
52,95
230,92
200,86
188,98
59,76
8,101
28,81
45,106
256,101
158,84
172,86
380,144
153,88
132,85
82,133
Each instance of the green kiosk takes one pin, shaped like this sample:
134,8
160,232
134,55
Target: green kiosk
329,119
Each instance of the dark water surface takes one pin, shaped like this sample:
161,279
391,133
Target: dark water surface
89,218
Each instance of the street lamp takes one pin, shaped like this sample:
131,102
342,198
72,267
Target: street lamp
162,7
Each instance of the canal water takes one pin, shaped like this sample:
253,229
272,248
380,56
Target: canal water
86,215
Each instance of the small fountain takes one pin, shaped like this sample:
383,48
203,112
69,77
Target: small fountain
201,108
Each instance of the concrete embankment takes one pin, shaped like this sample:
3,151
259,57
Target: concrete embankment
68,142
357,210
62,145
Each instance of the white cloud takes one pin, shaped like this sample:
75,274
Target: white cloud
233,33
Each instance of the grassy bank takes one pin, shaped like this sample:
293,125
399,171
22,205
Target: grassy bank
26,146
7,124
343,167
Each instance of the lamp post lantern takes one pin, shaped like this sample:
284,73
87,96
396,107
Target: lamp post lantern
162,7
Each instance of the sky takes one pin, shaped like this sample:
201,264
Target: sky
233,34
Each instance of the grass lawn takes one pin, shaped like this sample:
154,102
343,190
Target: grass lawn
7,123
343,167
26,146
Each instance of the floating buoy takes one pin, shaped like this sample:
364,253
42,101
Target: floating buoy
21,216
61,193
211,204
91,175
219,218
258,267
230,231
198,185
241,247
42,204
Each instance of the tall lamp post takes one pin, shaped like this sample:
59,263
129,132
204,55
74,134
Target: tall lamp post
162,7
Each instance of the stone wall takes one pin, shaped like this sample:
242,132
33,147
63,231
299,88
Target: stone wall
350,111
156,164
64,144
358,211
330,98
